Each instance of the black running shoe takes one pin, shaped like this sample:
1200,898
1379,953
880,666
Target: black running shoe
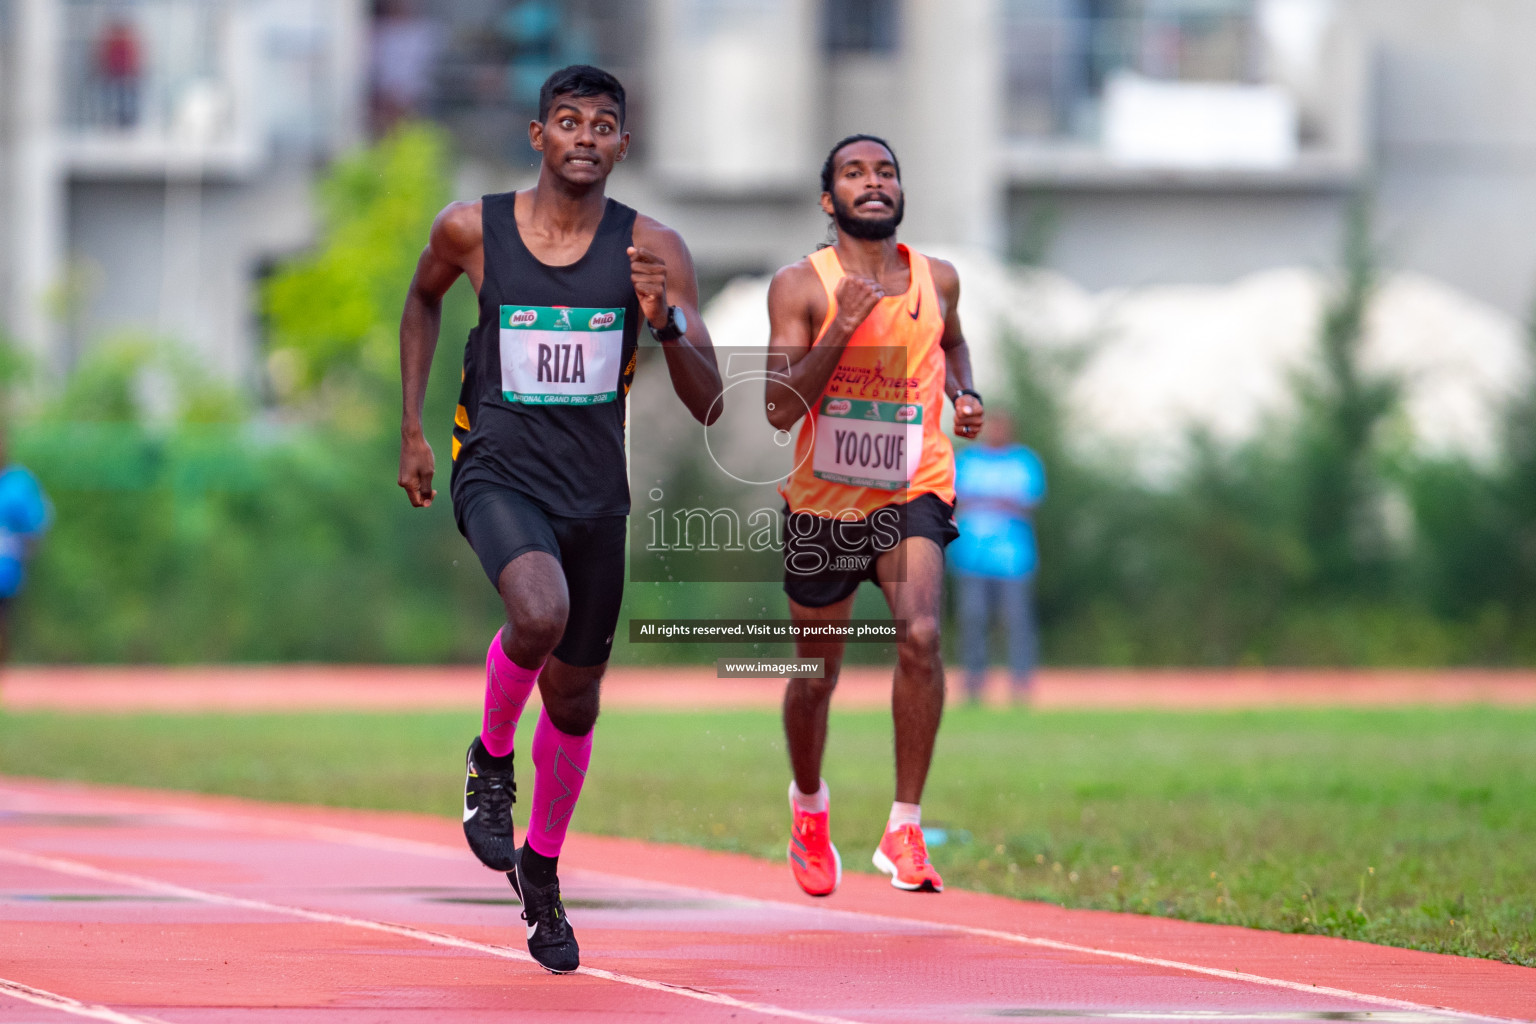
550,939
489,794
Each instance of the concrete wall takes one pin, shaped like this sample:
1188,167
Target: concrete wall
1456,140
179,260
1125,238
33,202
949,145
7,169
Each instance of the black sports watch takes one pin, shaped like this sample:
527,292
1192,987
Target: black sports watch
968,391
675,327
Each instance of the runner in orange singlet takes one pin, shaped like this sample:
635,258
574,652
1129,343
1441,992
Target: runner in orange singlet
873,341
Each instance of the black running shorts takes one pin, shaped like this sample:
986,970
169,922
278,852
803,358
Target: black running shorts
826,559
501,524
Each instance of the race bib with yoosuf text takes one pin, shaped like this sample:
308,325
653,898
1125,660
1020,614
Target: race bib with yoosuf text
560,355
868,444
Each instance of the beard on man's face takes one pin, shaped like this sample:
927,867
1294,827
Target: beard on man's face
864,228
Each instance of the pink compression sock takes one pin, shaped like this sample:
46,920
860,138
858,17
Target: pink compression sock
507,686
559,768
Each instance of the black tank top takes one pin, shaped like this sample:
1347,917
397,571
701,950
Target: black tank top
547,369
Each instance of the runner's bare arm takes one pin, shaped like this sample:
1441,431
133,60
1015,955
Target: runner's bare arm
662,269
957,354
795,301
455,239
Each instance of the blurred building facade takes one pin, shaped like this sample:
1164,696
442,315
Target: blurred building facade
156,153
1123,142
151,149
1126,142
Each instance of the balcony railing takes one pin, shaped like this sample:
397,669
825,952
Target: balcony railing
156,83
1102,92
1058,64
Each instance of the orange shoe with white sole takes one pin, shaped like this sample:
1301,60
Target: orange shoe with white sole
813,860
903,855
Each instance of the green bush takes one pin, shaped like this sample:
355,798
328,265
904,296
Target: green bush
229,543
1279,551
190,527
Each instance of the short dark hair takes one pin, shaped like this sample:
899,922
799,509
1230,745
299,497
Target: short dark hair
826,168
579,80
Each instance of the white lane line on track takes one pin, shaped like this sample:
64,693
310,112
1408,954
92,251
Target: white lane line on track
370,840
1438,1012
1294,1015
82,870
54,1001
277,827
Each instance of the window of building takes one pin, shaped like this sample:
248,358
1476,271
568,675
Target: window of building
158,67
861,26
1060,53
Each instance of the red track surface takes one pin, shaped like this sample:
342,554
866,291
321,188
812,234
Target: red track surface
290,687
129,906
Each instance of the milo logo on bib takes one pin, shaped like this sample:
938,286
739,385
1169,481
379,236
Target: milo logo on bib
560,355
868,444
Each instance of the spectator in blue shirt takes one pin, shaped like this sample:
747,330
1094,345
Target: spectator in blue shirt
997,485
24,517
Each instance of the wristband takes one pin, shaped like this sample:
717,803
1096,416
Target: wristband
969,391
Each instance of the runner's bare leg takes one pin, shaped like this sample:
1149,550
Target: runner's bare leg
532,587
806,701
912,576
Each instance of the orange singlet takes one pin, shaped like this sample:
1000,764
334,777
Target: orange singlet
872,438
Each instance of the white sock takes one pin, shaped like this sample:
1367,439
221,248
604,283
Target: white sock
904,814
810,803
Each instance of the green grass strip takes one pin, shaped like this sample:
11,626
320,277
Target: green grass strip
1414,828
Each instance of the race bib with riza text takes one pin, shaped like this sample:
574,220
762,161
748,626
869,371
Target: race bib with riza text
868,444
560,355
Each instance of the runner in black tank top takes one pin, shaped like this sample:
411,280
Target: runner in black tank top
547,369
564,277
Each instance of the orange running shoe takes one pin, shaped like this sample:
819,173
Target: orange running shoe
813,860
903,855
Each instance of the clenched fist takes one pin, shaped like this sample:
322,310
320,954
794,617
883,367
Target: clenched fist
856,296
649,273
968,416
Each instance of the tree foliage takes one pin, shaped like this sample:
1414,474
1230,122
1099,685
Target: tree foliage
192,526
1282,550
336,311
